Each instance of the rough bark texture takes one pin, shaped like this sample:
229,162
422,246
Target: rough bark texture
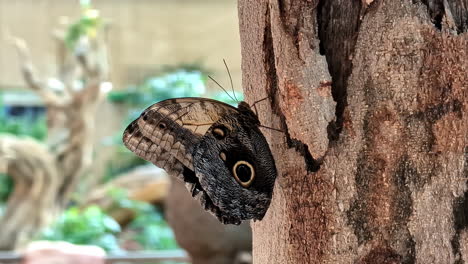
372,96
45,174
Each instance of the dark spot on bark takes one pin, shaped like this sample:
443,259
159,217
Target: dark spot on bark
404,208
359,223
364,208
356,214
435,112
358,211
410,257
338,25
404,202
381,255
407,168
460,222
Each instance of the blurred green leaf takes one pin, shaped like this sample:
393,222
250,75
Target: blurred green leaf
180,83
152,231
90,226
6,187
87,25
22,126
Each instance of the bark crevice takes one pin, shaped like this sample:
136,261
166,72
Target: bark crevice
338,26
448,12
269,62
312,165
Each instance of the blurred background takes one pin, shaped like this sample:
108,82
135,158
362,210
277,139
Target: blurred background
73,75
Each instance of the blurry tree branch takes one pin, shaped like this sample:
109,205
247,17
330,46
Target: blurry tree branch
146,183
45,174
32,202
29,74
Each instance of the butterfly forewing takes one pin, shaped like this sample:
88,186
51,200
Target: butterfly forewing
146,149
173,127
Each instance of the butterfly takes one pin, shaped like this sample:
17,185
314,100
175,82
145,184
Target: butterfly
218,151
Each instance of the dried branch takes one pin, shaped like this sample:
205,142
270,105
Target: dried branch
46,174
29,75
82,53
33,170
95,71
65,67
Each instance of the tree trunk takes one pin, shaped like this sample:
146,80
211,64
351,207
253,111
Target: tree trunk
372,96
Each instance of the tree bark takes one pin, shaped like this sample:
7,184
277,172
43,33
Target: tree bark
372,96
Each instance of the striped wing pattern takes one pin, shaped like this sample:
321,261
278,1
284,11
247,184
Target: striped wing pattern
166,132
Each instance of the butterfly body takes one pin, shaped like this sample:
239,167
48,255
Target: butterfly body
216,149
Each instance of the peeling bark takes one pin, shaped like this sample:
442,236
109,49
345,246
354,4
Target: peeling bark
373,98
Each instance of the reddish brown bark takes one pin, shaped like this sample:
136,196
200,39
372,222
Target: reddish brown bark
373,98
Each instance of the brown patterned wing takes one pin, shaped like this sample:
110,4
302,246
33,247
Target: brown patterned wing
144,148
166,132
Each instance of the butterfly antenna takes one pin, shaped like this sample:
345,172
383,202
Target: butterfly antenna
221,87
274,129
258,101
230,78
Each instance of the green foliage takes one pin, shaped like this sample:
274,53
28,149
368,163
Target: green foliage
181,83
22,126
90,226
87,25
152,232
6,187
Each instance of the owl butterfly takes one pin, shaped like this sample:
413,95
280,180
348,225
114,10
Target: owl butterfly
216,149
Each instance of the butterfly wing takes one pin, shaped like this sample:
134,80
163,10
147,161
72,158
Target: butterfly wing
143,147
236,168
215,148
166,133
176,125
